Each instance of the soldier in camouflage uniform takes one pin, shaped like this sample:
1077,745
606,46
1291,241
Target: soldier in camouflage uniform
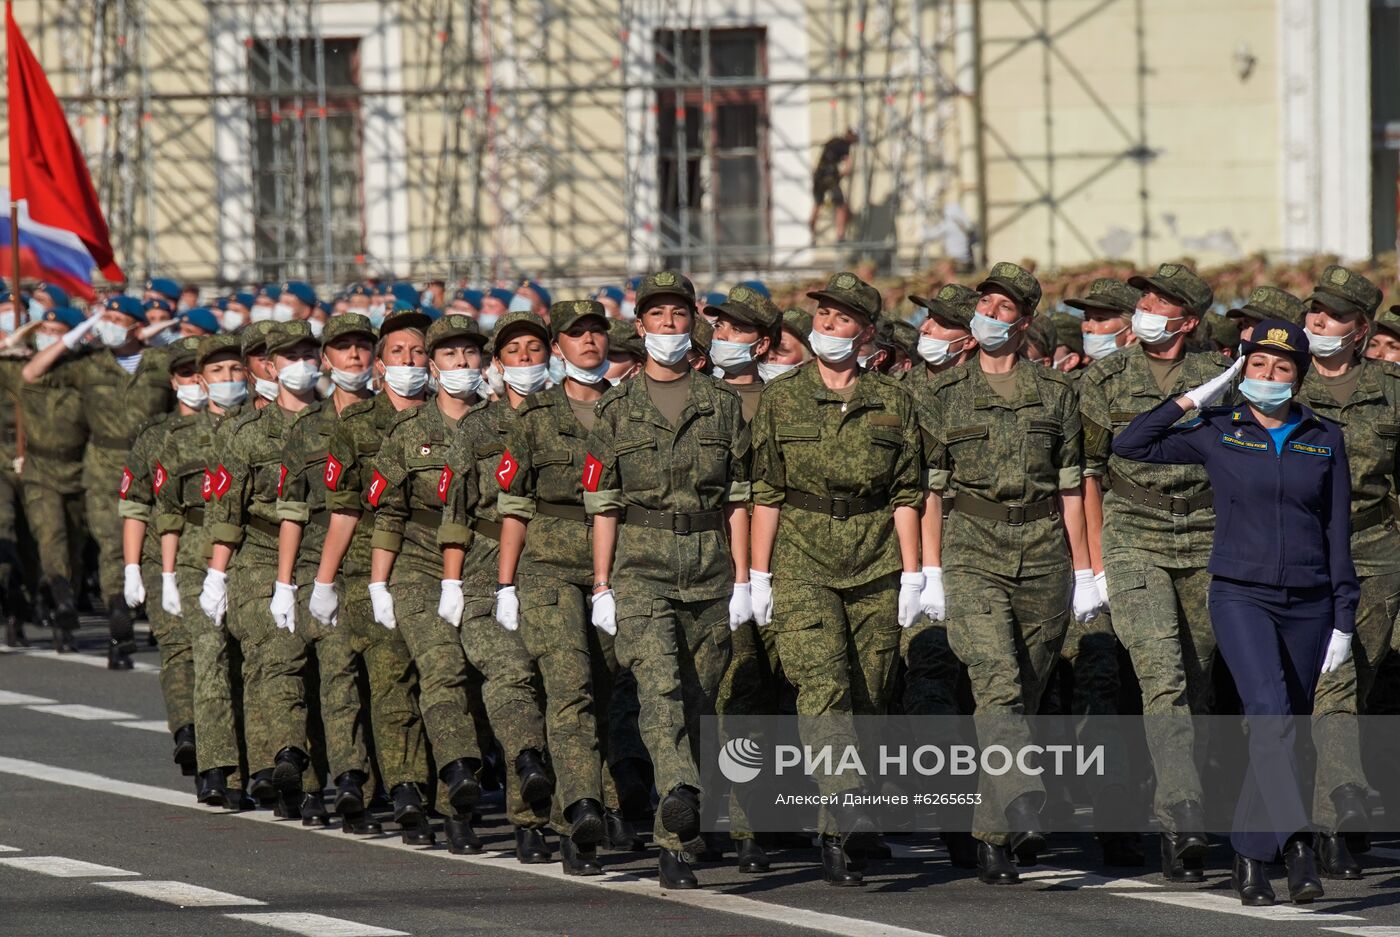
244,528
11,432
400,746
674,454
122,386
1363,397
1005,446
520,347
1264,303
407,490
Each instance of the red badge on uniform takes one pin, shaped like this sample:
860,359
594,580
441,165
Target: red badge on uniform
592,473
281,478
127,478
221,482
377,484
159,477
207,489
444,482
505,472
333,469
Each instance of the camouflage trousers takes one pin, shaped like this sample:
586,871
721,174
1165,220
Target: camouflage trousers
273,690
102,474
749,688
57,522
678,652
176,651
1008,631
9,532
1091,651
1161,615
839,647
214,654
1336,735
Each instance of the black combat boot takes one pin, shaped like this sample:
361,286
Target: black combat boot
313,810
621,834
261,788
578,860
14,631
535,783
836,863
1304,885
63,615
287,769
213,789
994,866
1334,858
680,813
461,838
184,754
123,638
1250,878
530,845
1353,814
410,816
962,848
586,824
1023,820
674,872
460,779
753,859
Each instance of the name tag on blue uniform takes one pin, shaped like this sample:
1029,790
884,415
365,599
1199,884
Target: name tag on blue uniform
1308,449
1238,443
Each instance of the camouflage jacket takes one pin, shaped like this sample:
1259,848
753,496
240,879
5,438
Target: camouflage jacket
478,455
1370,423
305,471
187,453
117,404
408,489
701,465
143,479
351,451
55,429
808,438
1012,452
245,484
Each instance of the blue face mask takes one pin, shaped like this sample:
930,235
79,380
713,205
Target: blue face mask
990,333
487,321
519,303
1266,395
556,370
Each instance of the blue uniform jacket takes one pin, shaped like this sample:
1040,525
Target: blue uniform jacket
1282,519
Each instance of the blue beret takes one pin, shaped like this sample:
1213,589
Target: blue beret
359,289
613,293
540,291
404,306
472,298
406,292
715,299
504,296
59,297
327,307
163,304
431,313
301,291
221,304
165,287
202,318
271,290
633,283
758,287
127,306
245,300
65,314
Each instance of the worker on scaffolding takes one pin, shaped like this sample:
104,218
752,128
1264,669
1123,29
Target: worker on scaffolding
833,166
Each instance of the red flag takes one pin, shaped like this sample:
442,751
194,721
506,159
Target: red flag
47,168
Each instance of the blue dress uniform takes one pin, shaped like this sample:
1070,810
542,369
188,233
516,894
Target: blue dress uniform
1281,564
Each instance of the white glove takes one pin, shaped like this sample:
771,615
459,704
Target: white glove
133,589
740,606
1086,596
932,600
761,593
74,336
1101,583
284,606
911,587
605,612
1210,391
383,603
507,608
450,602
324,602
169,594
213,597
1338,651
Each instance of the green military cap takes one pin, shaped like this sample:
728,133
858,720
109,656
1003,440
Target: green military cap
182,351
1015,281
519,321
1224,330
1041,333
1178,283
799,324
455,325
623,337
285,335
751,307
563,315
211,345
1108,293
1068,332
701,334
1389,319
851,292
351,323
1270,302
254,337
1342,290
667,283
904,335
953,303
406,318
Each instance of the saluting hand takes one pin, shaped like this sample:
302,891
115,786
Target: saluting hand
1209,392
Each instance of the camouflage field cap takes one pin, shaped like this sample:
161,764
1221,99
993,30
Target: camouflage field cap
254,337
285,335
701,334
1342,290
405,318
667,284
1067,331
351,323
1178,283
853,293
1015,281
1041,334
182,351
211,345
1108,293
1389,319
623,337
902,335
1270,302
954,303
562,315
799,324
513,323
455,325
747,305
1224,331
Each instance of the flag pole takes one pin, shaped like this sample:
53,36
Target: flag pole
21,313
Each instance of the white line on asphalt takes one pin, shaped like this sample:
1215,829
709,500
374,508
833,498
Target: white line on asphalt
1377,931
89,660
10,849
11,698
1075,878
315,925
60,867
180,893
150,725
82,711
629,882
1202,901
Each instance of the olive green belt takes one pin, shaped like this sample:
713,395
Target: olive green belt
568,512
109,442
267,528
1375,514
836,508
1013,514
1179,507
194,517
491,530
679,524
70,454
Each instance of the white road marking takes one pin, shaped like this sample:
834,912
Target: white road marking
180,893
10,849
1376,931
61,867
150,725
11,698
1204,901
89,660
1075,878
82,711
315,925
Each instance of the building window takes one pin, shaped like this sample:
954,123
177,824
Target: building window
715,162
307,172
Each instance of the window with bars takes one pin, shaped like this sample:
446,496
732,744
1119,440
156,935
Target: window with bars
306,150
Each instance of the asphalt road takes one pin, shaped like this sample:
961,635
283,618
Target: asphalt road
100,835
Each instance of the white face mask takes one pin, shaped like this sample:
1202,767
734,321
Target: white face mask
1325,346
461,383
317,327
936,351
583,375
261,313
732,356
111,334
283,313
352,381
627,309
520,303
267,390
1101,346
228,393
299,377
37,309
375,312
405,379
990,333
667,349
1151,329
43,340
487,321
831,349
556,369
193,395
766,371
7,321
232,321
528,379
